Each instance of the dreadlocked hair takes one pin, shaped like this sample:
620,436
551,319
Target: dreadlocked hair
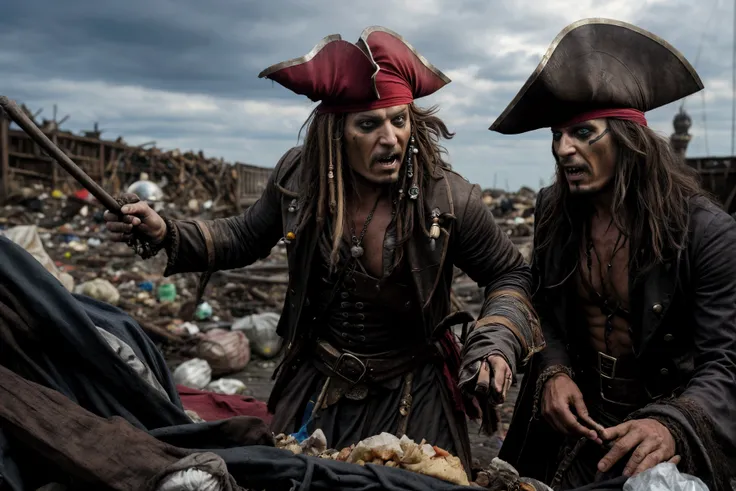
652,189
323,199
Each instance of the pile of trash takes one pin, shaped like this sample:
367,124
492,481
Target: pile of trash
514,212
384,449
191,180
388,450
235,321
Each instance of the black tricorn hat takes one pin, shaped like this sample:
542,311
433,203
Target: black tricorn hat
599,64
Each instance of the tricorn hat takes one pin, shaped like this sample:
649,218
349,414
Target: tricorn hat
380,70
599,68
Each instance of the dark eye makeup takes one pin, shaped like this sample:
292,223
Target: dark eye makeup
369,124
583,132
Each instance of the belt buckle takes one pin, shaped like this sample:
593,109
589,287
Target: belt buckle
341,358
607,370
606,365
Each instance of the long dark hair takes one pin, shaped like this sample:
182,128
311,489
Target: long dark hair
652,191
324,200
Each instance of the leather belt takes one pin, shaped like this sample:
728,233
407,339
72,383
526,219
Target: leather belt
356,368
615,381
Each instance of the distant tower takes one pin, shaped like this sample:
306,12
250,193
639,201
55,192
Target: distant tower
680,138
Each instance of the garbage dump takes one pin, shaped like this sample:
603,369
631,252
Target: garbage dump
228,343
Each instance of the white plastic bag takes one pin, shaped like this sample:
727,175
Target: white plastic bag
228,386
99,289
190,480
195,373
260,329
664,477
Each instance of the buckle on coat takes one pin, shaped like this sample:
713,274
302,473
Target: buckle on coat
349,365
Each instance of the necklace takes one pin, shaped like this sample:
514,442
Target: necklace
357,249
603,298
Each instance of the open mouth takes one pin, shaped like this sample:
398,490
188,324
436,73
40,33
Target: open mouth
574,171
389,160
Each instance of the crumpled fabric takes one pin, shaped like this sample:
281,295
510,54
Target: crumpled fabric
664,477
198,472
126,353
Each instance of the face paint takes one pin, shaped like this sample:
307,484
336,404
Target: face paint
586,160
597,139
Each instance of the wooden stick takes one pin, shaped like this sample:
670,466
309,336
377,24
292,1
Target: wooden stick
22,120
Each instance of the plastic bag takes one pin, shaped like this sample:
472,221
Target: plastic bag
101,290
195,373
228,386
225,351
261,332
27,237
190,480
664,477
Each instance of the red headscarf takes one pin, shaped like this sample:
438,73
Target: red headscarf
628,114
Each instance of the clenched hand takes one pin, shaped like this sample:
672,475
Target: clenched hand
136,215
653,442
562,395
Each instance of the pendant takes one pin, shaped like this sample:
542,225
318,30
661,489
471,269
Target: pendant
413,192
356,251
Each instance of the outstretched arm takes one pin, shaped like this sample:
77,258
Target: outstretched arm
507,326
233,242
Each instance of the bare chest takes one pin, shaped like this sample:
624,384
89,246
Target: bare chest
366,234
604,267
603,288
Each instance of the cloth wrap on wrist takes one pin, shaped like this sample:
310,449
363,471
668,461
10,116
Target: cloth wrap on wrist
509,328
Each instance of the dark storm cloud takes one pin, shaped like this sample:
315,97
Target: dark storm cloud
178,71
187,46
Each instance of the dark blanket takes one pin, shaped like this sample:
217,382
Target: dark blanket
49,336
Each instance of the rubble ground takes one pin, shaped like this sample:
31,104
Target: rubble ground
230,336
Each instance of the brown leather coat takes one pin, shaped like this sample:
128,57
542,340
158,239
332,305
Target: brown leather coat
470,240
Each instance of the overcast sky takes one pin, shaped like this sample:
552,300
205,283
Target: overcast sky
184,72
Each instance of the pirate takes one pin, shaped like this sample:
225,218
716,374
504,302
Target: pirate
634,274
374,222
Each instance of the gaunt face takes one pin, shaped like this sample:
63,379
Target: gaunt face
586,155
376,141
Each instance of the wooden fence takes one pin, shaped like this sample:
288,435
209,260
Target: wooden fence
23,163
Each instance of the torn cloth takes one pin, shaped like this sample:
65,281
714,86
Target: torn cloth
49,427
213,407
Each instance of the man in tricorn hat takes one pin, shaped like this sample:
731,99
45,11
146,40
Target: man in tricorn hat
634,274
374,221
